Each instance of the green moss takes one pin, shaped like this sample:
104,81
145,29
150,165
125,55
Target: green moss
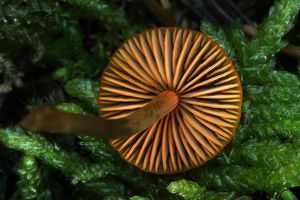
139,198
288,195
192,191
70,163
248,179
268,39
101,9
30,184
265,95
86,91
264,155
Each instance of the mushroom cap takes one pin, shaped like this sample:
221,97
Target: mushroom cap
198,70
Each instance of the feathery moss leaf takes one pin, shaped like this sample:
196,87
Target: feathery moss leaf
192,191
268,39
30,183
71,164
84,90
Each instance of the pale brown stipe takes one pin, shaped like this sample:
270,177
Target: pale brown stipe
49,119
209,91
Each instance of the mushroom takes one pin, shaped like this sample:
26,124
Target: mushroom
169,100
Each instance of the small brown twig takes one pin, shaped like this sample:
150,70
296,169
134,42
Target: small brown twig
163,15
166,4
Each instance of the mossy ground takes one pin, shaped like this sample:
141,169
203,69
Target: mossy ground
54,51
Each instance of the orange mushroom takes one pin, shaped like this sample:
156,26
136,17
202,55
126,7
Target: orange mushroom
170,98
195,68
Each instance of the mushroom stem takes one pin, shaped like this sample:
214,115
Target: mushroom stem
49,119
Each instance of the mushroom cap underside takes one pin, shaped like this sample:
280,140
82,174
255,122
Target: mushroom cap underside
198,70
